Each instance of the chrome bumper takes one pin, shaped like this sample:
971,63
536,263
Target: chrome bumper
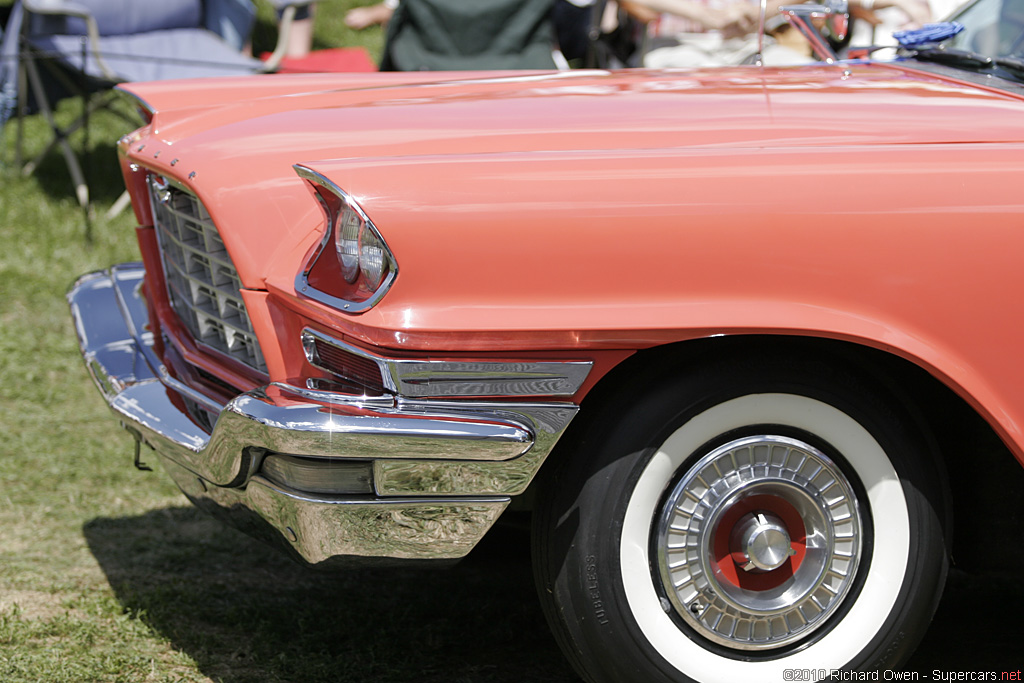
442,470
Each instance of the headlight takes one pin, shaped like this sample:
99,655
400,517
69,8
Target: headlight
372,261
346,241
361,268
360,249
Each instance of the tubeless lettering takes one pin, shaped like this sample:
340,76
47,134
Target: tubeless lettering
593,590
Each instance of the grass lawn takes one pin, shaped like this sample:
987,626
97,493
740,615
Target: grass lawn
107,573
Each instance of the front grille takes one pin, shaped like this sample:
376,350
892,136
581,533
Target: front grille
202,282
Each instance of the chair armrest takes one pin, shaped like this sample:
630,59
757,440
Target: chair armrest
73,9
65,7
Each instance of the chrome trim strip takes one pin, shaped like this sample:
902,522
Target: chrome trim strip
139,102
314,391
440,378
446,378
302,279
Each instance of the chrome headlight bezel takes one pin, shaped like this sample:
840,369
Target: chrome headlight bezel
355,274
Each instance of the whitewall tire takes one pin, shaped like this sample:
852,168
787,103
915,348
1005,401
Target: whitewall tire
741,520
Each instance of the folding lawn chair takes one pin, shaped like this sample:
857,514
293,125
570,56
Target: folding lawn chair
83,47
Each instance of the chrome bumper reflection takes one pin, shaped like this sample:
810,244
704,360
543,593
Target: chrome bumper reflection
442,470
331,530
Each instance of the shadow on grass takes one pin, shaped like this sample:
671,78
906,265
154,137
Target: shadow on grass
244,612
94,145
99,166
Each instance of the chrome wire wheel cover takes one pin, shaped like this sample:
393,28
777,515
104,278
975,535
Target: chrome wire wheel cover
759,542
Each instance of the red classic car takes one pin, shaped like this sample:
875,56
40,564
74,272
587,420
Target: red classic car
710,326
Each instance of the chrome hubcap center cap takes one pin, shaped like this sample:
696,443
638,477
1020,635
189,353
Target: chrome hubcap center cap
763,539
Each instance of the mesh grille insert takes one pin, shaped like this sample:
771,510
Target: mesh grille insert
349,366
202,282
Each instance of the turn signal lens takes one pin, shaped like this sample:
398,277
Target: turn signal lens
319,475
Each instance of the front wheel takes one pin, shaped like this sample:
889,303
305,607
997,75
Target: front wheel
744,522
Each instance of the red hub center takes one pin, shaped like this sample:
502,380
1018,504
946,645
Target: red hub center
728,563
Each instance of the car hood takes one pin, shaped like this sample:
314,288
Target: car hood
235,142
398,114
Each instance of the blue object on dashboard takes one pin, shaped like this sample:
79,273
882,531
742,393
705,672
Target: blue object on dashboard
929,33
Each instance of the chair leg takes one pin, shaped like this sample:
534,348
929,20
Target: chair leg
22,112
59,138
122,203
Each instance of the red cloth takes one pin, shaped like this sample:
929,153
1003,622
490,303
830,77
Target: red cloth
349,59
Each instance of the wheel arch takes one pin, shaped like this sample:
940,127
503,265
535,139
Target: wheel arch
968,445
